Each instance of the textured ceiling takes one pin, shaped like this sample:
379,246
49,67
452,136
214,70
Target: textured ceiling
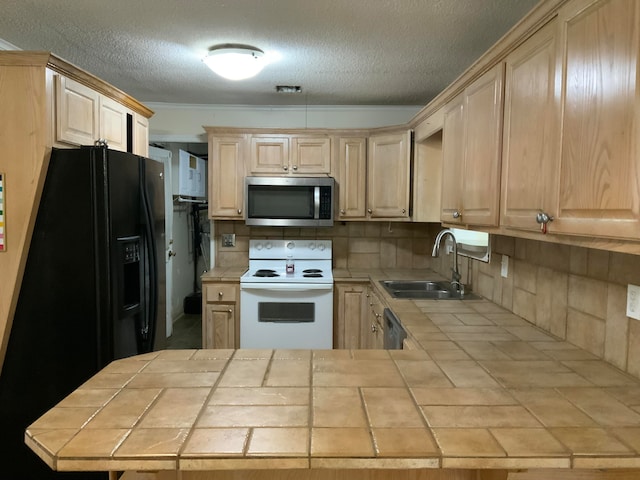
341,52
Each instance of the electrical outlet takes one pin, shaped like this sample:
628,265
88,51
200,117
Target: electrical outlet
633,301
228,239
504,266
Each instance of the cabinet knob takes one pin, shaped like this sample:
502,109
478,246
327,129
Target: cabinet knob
239,211
295,167
456,214
220,294
342,211
404,210
285,168
543,219
230,311
374,329
369,211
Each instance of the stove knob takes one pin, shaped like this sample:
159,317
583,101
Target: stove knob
312,246
258,246
291,245
268,246
321,247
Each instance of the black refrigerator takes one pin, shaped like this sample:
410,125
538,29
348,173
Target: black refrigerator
93,289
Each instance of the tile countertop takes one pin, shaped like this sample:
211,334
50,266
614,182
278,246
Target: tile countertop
483,389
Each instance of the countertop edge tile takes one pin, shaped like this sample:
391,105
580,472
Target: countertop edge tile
505,462
243,463
375,463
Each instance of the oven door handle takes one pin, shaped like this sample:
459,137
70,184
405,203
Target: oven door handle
288,287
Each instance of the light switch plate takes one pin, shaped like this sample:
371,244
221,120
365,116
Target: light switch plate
633,301
504,266
228,239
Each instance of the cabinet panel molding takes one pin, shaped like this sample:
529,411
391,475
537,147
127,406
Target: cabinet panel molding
531,131
113,124
388,175
226,176
76,112
310,155
599,169
352,177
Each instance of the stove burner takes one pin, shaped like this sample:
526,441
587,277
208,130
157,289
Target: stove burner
265,272
314,275
312,270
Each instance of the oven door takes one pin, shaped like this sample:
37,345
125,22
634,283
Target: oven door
286,315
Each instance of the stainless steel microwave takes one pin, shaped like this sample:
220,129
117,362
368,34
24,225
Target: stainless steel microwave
289,201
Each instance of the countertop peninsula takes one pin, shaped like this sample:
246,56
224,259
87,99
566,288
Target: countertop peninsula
479,388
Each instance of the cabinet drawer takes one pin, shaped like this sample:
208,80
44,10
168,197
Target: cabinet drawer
220,293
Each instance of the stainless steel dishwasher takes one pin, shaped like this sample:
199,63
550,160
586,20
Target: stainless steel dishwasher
394,334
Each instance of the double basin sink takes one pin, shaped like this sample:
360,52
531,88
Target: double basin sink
423,289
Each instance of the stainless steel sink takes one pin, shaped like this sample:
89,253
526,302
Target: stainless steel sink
422,289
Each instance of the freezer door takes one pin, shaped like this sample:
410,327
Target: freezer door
154,194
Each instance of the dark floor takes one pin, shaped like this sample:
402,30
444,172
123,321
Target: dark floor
187,332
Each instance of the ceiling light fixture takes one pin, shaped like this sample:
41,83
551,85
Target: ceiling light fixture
235,62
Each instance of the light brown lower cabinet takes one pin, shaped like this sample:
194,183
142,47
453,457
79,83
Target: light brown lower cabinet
220,319
219,326
350,309
373,326
358,317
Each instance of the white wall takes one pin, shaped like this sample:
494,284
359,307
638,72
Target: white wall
184,123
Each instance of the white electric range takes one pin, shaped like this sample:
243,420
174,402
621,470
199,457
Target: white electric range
286,295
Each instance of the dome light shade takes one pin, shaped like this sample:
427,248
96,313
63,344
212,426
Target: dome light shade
235,62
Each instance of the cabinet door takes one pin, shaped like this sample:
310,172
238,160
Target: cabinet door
388,175
352,177
530,131
370,328
452,160
141,135
269,154
310,155
76,112
599,170
113,124
226,176
219,326
351,312
483,137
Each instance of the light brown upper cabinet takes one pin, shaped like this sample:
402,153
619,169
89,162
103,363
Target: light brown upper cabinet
471,149
531,131
140,135
452,160
290,154
352,177
388,175
226,175
113,124
83,115
599,161
77,108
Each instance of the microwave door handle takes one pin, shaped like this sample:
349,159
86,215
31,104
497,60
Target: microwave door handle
316,202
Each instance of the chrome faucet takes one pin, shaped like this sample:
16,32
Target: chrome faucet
455,273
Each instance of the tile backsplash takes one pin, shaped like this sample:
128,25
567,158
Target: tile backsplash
355,244
575,293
